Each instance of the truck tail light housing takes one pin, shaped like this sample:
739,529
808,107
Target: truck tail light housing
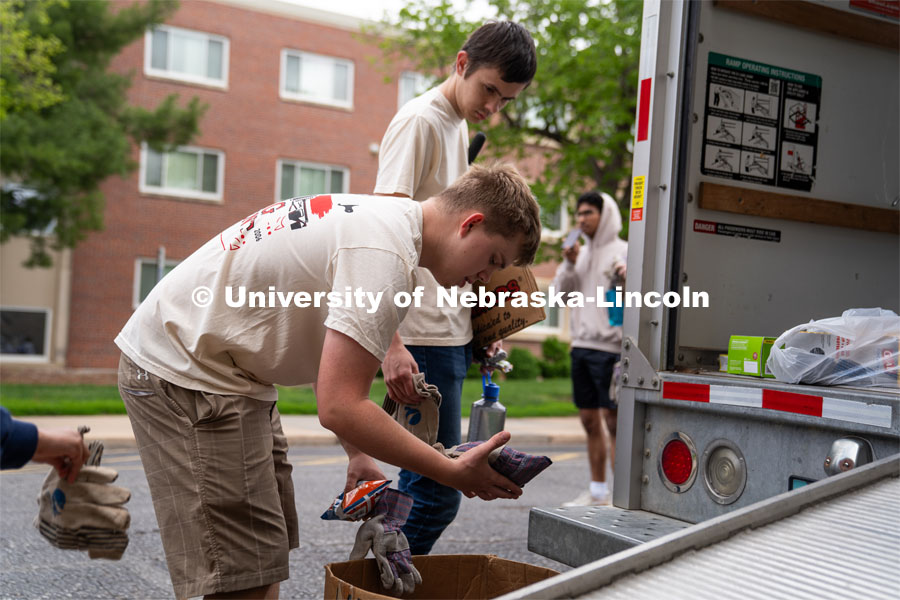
724,471
677,462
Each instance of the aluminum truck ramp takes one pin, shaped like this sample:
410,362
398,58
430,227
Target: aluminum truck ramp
838,538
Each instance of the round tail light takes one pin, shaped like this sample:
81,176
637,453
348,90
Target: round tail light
678,462
724,471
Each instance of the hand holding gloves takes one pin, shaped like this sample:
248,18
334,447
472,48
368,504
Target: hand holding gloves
419,419
88,513
382,533
518,467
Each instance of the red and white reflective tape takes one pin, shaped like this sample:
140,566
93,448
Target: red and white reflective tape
878,415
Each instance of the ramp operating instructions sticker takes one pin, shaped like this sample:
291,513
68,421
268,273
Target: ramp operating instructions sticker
760,123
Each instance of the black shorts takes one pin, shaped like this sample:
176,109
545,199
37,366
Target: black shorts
592,372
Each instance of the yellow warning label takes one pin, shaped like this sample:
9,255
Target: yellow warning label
637,192
637,198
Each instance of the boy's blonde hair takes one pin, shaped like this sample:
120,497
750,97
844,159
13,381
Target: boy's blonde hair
509,207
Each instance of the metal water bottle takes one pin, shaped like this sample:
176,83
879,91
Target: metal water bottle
488,416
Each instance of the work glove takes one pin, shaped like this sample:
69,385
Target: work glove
518,467
86,514
382,533
422,419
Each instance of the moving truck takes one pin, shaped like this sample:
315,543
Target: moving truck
765,175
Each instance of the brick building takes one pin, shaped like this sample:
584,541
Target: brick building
297,104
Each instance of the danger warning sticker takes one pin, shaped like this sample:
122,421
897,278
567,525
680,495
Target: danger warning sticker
750,233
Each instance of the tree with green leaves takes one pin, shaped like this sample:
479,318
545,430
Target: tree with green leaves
65,120
579,110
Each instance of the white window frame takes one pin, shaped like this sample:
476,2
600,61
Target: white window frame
175,75
180,192
299,97
553,235
48,327
422,81
311,165
136,286
543,327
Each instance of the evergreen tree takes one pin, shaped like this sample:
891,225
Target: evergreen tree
64,117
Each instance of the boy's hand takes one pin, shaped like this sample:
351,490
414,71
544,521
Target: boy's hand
398,368
474,476
362,467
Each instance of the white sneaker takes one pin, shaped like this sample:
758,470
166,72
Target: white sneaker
586,499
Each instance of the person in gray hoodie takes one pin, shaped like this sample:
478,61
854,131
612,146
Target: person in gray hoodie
596,343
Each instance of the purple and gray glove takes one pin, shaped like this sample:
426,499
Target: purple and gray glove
518,467
382,533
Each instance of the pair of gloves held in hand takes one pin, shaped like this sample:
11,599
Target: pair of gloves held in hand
87,514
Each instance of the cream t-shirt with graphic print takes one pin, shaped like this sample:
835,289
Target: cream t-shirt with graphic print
289,251
424,150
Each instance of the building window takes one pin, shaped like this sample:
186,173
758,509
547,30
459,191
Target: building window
145,275
187,172
552,323
316,78
552,222
185,55
306,179
25,334
410,85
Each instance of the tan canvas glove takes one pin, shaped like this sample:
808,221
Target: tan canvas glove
421,420
87,514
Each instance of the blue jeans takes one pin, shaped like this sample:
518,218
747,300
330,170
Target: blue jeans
435,505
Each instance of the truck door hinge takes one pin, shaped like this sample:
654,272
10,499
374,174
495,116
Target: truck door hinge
636,369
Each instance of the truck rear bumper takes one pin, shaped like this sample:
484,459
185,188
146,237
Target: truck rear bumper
579,535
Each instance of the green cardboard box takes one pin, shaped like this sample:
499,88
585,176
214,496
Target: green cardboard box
747,355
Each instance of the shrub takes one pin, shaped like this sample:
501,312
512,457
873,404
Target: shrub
556,362
525,364
474,371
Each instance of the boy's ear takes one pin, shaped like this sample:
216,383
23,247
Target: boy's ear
466,226
462,61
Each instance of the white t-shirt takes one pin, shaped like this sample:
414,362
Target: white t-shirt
337,243
424,150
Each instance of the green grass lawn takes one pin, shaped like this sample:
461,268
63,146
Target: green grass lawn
548,398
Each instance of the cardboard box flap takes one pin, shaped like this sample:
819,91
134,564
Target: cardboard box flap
444,577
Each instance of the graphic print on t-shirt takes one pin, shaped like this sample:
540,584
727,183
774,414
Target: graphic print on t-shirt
260,225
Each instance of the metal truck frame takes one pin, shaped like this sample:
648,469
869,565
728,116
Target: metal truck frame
814,235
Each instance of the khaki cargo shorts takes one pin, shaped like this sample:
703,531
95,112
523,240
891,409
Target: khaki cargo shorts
220,482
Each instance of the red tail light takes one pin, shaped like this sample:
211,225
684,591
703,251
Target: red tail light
677,462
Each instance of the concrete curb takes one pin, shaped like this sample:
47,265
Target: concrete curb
304,430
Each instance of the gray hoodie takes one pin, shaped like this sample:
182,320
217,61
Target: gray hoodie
595,266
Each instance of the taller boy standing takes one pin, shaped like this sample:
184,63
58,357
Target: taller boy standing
424,151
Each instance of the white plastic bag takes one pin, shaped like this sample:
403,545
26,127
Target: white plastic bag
859,348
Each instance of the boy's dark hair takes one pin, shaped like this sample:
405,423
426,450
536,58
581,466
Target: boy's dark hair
505,46
592,198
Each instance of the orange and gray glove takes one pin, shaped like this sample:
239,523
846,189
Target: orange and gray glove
87,514
384,536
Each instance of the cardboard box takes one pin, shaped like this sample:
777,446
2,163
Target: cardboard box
747,355
490,324
447,576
